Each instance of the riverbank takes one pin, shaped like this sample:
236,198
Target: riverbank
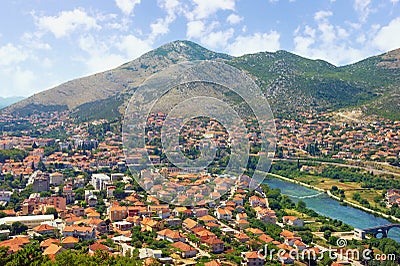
348,164
380,214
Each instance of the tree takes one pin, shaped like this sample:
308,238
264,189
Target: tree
4,258
327,234
18,228
333,240
29,255
41,166
306,236
301,205
52,211
80,194
357,196
326,260
45,194
119,193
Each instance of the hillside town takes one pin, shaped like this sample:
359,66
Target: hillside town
66,186
114,224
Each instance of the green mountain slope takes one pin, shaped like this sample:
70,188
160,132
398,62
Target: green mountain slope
291,83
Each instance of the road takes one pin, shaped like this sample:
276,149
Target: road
202,253
369,169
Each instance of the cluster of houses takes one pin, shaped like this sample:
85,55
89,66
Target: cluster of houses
190,230
393,197
185,188
367,141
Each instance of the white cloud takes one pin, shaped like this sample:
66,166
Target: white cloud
122,25
394,1
170,6
33,40
133,46
195,29
386,39
11,55
217,39
99,56
209,37
67,22
127,6
309,31
328,34
23,81
363,8
17,81
361,38
342,33
257,42
107,54
356,26
234,19
205,8
302,44
322,14
328,42
161,26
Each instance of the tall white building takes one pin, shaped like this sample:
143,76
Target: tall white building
99,181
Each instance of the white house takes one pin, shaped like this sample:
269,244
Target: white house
293,221
56,179
99,181
223,214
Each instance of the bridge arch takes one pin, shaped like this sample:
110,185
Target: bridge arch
375,231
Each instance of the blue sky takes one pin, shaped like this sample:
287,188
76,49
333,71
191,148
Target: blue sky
46,42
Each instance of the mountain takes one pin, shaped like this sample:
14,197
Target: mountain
4,102
290,82
105,92
294,83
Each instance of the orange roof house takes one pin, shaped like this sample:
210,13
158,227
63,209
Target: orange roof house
216,244
15,243
44,229
9,212
97,246
69,241
187,251
52,251
212,263
46,243
190,224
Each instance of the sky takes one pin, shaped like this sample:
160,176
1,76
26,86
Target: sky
44,43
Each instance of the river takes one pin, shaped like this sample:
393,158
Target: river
324,205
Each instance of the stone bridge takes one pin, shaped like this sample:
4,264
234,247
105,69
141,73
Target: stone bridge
382,229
